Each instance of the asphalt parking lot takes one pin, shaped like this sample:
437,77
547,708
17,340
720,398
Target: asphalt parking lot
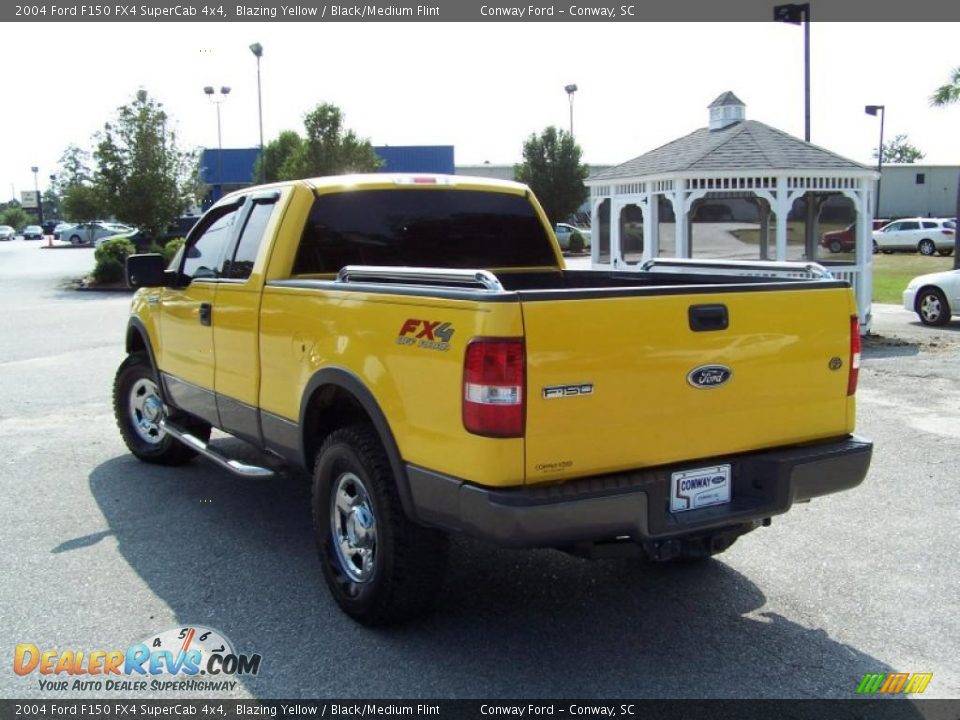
102,551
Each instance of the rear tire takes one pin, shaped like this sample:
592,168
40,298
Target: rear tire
944,253
380,567
926,247
932,307
139,407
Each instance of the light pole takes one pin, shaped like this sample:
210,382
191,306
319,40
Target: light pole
873,110
224,91
571,89
794,14
257,50
36,193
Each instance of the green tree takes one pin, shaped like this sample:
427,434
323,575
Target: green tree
552,168
82,203
143,177
949,94
16,217
74,168
277,154
900,150
327,148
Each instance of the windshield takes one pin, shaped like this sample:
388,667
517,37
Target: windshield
423,228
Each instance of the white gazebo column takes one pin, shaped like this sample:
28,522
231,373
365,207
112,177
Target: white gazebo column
651,227
864,288
678,198
595,228
782,209
616,252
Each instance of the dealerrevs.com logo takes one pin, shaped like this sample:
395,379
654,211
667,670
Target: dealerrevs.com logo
187,658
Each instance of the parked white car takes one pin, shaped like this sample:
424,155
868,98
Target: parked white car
7,232
924,235
934,297
564,231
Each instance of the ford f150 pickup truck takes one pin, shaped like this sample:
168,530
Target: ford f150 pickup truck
417,344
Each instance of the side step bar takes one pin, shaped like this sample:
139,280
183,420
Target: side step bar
211,453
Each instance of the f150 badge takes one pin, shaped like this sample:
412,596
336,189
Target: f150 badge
709,376
563,391
427,334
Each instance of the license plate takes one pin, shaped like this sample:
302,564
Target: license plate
700,488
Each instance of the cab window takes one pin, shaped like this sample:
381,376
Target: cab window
203,256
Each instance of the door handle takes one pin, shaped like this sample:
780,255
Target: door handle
206,313
707,318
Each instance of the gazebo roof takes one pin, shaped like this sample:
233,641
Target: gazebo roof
748,145
727,98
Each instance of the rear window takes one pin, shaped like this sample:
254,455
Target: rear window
424,228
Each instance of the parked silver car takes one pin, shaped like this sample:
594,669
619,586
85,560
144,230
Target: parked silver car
7,232
89,233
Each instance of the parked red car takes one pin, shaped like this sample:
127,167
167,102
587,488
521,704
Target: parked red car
845,240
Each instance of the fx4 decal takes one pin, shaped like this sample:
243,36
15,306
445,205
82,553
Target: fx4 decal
427,334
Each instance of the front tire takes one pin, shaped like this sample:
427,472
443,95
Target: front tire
139,407
932,307
835,246
380,567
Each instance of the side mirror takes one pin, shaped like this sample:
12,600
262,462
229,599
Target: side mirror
146,271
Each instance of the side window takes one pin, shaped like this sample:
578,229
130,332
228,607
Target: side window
910,226
203,256
241,265
894,227
929,225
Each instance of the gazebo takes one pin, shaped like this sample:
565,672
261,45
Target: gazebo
732,167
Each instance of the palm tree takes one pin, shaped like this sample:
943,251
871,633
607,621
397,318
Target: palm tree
949,94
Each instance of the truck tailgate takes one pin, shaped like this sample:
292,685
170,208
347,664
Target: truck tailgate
623,381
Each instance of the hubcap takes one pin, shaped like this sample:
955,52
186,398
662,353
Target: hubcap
354,528
146,411
930,307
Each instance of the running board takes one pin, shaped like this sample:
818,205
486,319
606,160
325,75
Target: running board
211,453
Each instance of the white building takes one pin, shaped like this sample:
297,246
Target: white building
916,190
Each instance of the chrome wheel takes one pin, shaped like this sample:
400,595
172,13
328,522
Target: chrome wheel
146,411
931,308
354,528
927,247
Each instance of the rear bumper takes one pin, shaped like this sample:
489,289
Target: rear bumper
636,504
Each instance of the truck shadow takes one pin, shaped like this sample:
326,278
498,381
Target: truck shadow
238,555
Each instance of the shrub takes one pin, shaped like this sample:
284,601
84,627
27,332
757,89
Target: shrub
577,243
171,249
111,257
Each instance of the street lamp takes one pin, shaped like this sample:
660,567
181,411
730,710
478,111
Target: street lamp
873,110
794,14
571,89
224,91
36,194
257,50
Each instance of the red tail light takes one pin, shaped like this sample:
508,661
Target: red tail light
494,379
947,232
854,375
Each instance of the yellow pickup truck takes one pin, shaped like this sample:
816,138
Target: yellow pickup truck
417,344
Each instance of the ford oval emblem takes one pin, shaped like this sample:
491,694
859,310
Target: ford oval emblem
709,376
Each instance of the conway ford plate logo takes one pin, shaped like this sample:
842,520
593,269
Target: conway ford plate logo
709,376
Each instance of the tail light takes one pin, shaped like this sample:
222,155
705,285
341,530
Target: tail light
494,379
946,232
855,347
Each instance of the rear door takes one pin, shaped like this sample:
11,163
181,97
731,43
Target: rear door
618,383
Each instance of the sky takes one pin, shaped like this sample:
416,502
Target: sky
481,87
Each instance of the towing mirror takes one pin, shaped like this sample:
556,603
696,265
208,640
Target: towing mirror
147,270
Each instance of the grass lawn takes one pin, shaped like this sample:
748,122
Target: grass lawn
891,273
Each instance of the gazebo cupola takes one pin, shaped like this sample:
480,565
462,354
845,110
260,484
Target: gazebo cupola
726,110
